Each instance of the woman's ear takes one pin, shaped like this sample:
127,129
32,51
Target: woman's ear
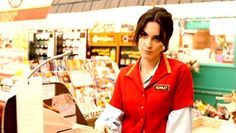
163,48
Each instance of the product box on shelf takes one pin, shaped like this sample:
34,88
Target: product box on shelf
103,38
126,38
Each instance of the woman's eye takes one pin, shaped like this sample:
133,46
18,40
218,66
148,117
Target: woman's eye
143,34
157,38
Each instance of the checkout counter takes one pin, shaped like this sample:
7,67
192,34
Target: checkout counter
50,120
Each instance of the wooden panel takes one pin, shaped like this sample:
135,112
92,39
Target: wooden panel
55,2
62,8
69,8
62,1
78,7
156,2
98,5
132,2
141,2
114,3
87,6
53,9
123,3
185,1
104,4
196,0
149,2
208,0
72,1
161,2
107,4
172,1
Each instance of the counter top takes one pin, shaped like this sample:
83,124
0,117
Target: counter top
205,130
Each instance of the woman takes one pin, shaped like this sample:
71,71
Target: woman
154,95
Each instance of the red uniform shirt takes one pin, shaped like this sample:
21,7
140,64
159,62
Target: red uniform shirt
147,109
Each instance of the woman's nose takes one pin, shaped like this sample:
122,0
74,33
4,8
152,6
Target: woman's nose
148,42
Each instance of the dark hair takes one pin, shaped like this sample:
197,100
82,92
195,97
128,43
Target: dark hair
162,17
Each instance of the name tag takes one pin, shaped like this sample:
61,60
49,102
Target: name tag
164,87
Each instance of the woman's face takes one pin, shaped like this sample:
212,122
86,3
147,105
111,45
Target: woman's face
150,46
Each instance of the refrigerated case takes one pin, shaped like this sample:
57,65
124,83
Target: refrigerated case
47,43
72,39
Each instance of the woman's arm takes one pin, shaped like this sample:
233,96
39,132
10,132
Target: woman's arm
180,121
110,117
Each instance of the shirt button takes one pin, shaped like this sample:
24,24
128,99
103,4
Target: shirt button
143,95
141,107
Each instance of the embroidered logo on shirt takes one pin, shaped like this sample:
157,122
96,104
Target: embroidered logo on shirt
164,87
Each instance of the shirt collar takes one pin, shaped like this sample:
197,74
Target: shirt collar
163,59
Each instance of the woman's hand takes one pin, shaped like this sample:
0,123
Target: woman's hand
107,130
104,129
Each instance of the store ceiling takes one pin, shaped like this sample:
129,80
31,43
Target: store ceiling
65,6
